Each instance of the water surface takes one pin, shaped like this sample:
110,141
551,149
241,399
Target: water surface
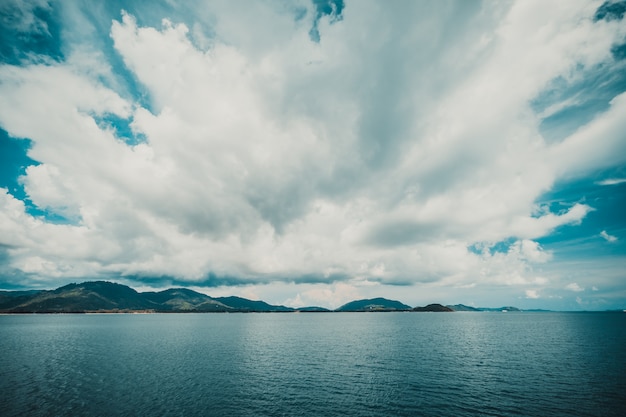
312,364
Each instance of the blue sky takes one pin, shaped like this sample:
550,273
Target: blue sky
316,152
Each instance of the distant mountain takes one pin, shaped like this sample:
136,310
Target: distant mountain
462,307
505,309
374,304
183,299
243,304
313,309
13,294
435,308
88,296
11,298
103,296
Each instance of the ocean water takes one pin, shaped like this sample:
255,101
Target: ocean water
314,364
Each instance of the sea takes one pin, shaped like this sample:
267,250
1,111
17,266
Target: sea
314,364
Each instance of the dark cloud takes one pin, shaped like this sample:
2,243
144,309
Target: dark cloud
213,280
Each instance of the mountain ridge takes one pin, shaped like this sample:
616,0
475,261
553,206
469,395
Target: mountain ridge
105,296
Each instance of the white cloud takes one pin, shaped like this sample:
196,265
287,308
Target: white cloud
612,181
580,152
533,294
269,157
574,287
608,237
533,252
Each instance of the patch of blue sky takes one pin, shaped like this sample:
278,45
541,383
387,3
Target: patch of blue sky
331,8
49,216
603,230
13,163
121,128
619,52
567,105
22,38
46,40
611,10
14,160
492,248
93,30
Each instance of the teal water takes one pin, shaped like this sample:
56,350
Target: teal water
342,364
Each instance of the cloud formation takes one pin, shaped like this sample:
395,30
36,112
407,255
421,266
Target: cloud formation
574,287
612,181
608,237
258,153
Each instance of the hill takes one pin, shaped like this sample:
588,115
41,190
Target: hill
245,305
504,309
313,309
88,296
374,304
462,307
433,308
103,296
183,299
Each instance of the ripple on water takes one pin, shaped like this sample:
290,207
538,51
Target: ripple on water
461,364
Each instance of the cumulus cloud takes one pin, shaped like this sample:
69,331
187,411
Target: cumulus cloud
533,294
269,156
608,237
574,287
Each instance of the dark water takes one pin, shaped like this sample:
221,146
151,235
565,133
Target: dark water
348,364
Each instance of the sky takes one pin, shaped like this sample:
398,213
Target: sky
314,152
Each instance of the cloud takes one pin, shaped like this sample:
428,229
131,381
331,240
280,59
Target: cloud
532,294
266,157
20,16
608,237
574,287
612,181
579,152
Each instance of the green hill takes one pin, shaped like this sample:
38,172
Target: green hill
103,296
462,307
374,304
433,308
243,304
88,296
183,299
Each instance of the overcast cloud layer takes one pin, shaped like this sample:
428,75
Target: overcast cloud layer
309,154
